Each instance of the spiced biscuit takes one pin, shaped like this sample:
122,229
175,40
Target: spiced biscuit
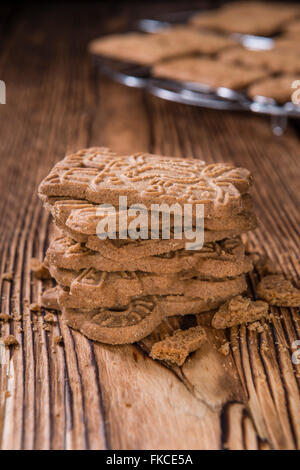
171,305
119,250
93,288
148,49
209,72
97,175
239,310
122,326
216,260
278,88
277,60
247,18
276,290
177,347
84,217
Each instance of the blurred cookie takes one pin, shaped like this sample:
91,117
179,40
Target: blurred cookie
259,18
277,60
148,49
278,88
208,72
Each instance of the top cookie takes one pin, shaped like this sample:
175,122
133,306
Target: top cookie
247,17
101,176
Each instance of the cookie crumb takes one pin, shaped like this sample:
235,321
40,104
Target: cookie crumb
39,269
8,276
58,340
10,341
7,394
256,326
5,317
177,347
49,318
239,310
35,307
225,349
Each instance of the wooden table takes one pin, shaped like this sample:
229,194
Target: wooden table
91,396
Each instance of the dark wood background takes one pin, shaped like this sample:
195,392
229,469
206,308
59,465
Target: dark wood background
90,396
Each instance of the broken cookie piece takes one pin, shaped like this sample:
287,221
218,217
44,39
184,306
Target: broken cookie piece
10,341
49,299
39,269
276,290
8,276
177,347
5,317
239,310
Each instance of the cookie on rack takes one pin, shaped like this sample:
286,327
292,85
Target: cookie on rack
209,72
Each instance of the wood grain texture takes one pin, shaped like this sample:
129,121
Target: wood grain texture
84,395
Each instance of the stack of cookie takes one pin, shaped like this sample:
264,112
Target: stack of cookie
117,290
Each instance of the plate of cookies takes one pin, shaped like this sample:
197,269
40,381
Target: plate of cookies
242,56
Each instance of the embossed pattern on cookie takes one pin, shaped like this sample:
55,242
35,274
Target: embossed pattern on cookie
148,179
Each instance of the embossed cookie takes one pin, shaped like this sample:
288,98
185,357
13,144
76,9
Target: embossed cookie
276,290
81,216
216,260
127,325
148,49
247,17
177,347
274,60
278,88
91,288
239,310
208,72
99,176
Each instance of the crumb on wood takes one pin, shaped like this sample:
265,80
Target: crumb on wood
5,317
225,349
7,276
49,318
35,307
256,326
7,394
10,341
59,340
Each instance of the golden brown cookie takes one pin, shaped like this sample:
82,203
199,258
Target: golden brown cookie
208,72
91,288
83,217
127,325
97,175
239,310
215,260
259,18
277,60
148,49
177,347
278,88
276,290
